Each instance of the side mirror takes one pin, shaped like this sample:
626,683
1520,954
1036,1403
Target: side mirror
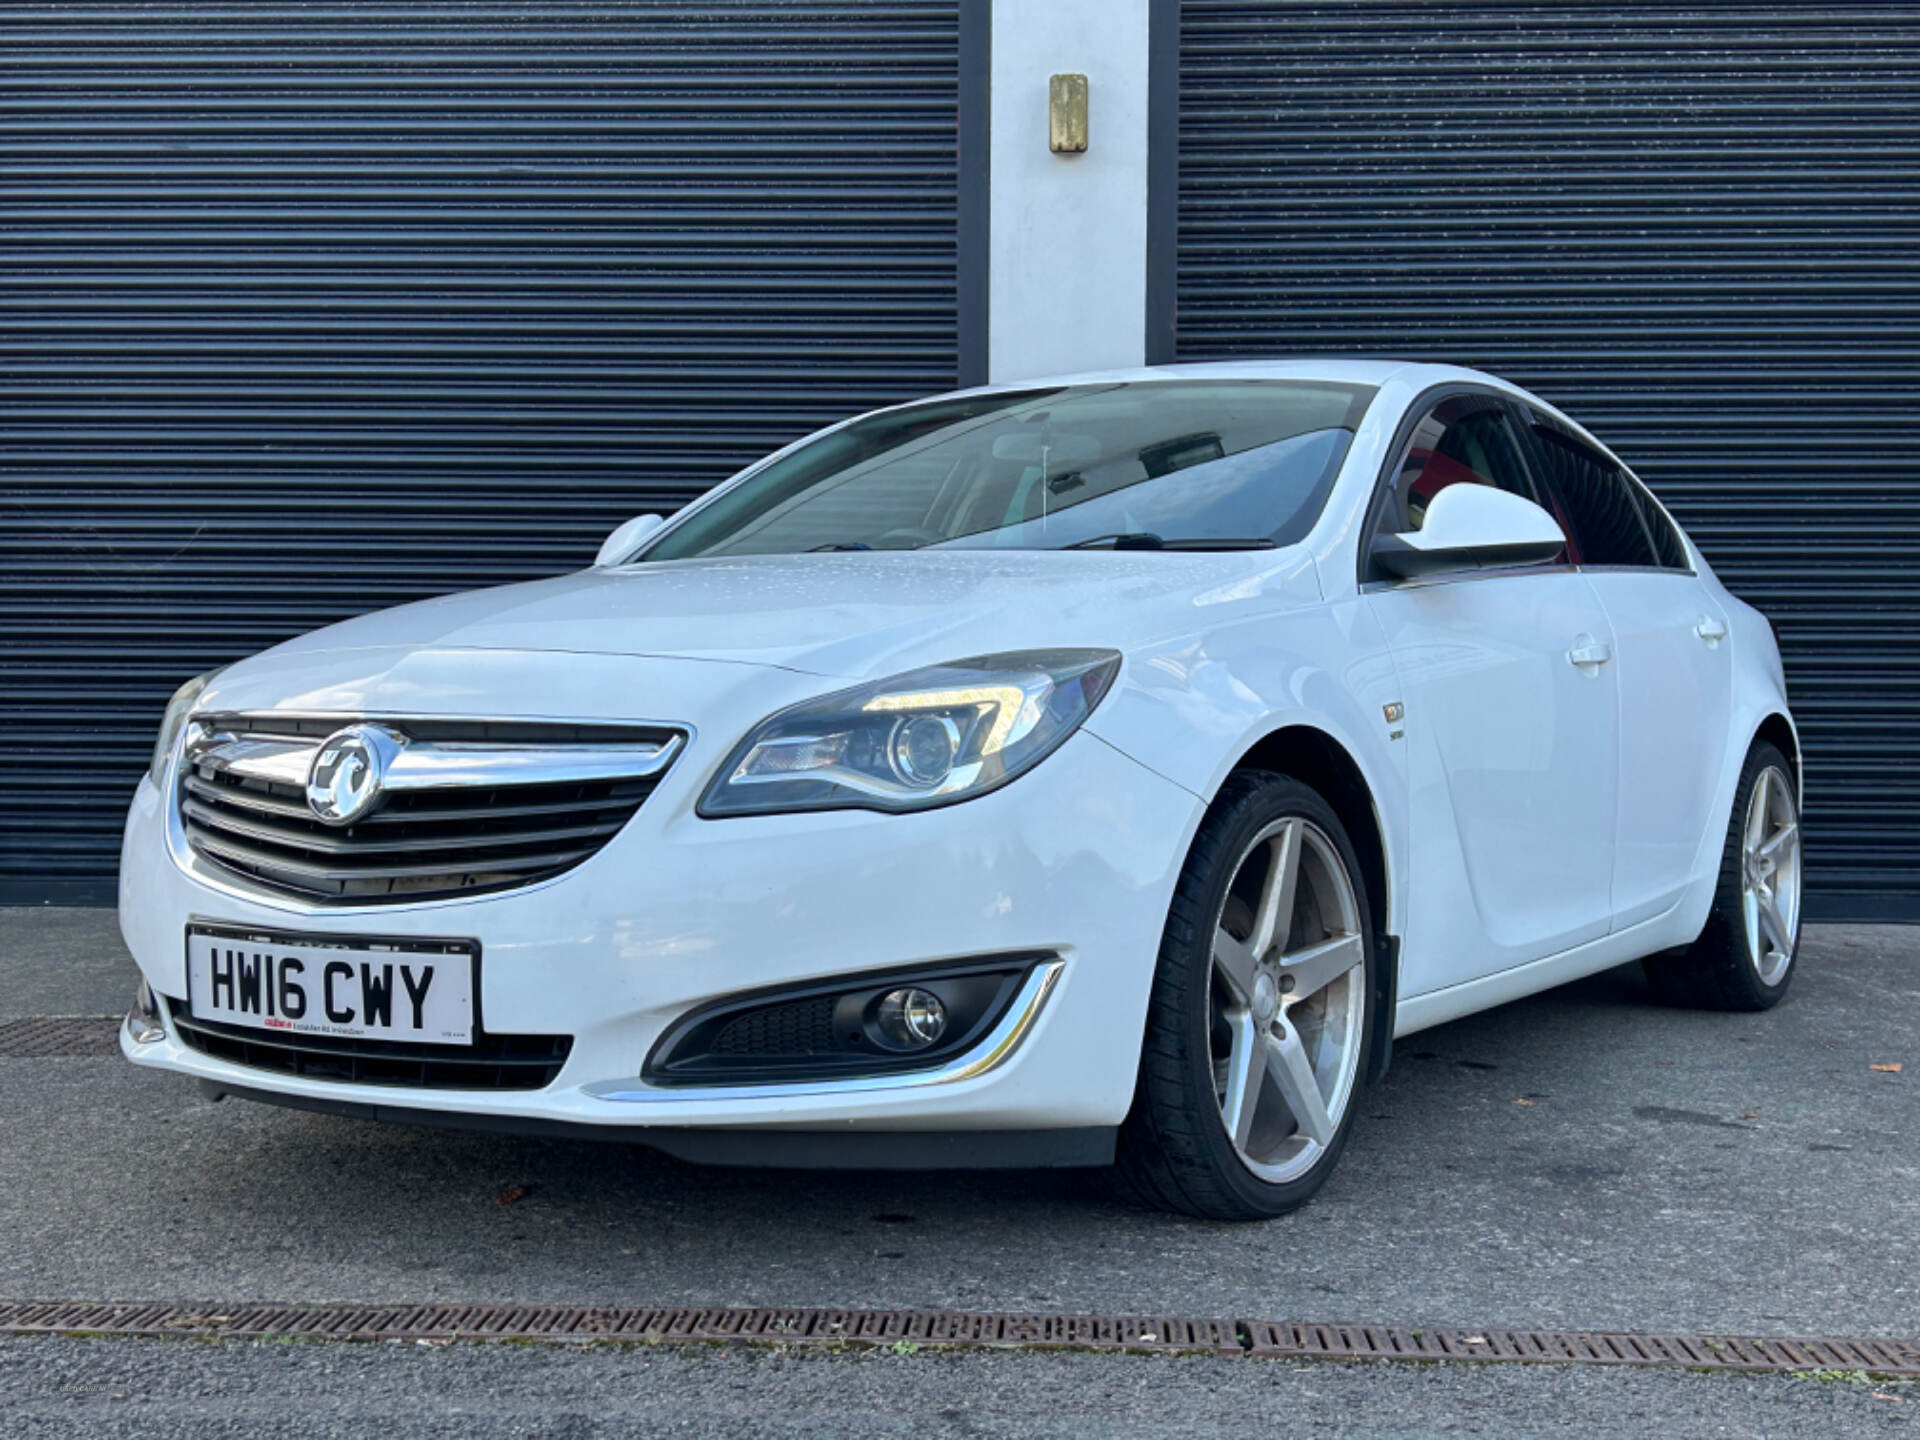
626,539
1471,527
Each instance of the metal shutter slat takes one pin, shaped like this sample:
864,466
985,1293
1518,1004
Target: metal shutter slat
469,283
1697,228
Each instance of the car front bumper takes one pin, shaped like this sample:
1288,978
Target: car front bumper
1075,860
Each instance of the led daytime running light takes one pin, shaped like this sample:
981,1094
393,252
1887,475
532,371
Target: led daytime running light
1014,705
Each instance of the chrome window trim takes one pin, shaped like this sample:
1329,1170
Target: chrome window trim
993,1051
1636,570
1463,577
1520,572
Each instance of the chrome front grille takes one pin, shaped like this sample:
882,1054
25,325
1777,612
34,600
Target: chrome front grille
467,807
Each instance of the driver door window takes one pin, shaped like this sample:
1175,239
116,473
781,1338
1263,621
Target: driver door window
1464,440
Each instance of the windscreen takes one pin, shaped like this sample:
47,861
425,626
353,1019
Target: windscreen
1142,465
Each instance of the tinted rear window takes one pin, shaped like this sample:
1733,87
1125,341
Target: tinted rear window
1597,500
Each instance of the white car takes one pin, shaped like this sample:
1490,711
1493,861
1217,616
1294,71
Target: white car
1090,769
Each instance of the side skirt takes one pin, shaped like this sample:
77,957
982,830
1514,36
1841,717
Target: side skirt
1436,1007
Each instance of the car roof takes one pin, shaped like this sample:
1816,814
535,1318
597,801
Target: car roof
1420,374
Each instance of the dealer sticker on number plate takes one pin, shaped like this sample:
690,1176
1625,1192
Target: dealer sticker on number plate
422,994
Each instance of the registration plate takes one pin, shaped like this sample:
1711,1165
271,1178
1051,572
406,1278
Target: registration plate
420,992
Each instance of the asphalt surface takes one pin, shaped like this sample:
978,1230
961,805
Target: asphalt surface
1669,1170
105,1389
63,962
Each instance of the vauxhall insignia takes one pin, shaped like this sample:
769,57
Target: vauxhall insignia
343,783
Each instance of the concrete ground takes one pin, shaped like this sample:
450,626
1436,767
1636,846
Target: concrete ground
1584,1159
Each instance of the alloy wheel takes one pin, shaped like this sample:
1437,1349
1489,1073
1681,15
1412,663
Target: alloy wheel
1770,876
1288,999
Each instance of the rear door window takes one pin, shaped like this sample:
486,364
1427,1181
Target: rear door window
1668,548
1596,500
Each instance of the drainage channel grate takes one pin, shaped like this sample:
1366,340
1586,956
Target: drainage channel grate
59,1037
878,1328
1582,1347
578,1323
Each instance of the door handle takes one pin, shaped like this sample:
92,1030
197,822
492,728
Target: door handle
1711,630
1590,653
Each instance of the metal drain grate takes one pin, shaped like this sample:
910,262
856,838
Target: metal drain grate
876,1328
1582,1347
59,1037
577,1323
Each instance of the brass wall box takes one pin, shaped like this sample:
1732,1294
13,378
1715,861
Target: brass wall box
1067,114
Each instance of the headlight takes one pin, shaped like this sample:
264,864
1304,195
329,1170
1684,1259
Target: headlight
178,708
927,738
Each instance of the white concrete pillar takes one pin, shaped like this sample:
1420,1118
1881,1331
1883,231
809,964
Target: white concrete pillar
1067,251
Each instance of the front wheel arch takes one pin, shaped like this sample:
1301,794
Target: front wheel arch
1316,759
1778,732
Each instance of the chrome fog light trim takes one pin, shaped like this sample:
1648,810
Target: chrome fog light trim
840,1027
993,1050
144,1026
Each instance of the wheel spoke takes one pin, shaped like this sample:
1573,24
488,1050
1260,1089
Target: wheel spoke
1243,1076
1757,818
1236,963
1782,840
1772,924
1273,916
1779,798
1292,1074
1318,966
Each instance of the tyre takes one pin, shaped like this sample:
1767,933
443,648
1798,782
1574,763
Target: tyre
1257,1028
1745,955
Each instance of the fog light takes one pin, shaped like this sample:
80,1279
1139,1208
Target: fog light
910,1019
143,1021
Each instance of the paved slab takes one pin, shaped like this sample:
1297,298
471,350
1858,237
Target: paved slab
1671,1170
103,1389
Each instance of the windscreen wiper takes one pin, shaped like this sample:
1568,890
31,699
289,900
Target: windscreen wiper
1147,540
